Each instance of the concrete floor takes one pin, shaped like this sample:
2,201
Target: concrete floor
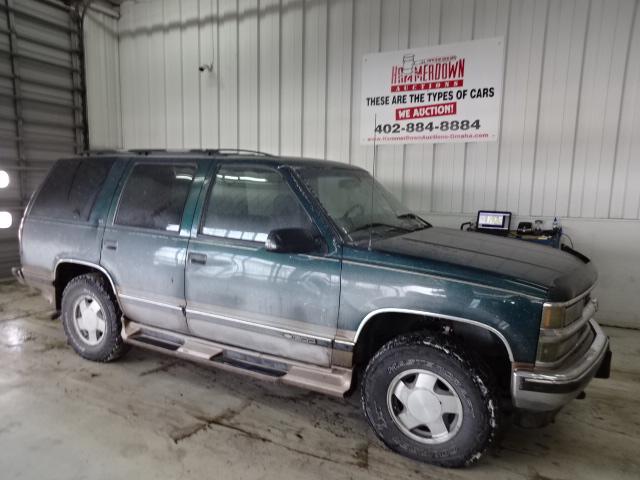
150,416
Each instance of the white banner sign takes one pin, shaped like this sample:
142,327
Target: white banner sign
442,94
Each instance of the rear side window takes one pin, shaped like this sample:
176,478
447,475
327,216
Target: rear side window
71,189
246,203
154,197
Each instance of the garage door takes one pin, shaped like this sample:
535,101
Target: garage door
41,105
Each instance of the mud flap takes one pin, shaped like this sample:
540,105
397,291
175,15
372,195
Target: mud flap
604,371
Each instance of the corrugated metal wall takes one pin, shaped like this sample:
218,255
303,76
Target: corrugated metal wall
40,103
286,79
103,79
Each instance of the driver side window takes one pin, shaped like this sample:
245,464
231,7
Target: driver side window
246,203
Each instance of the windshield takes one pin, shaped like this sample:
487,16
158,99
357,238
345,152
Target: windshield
346,195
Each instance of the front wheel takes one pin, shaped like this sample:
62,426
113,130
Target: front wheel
426,399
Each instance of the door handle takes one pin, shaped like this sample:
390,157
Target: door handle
198,258
111,244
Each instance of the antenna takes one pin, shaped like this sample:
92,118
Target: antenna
373,177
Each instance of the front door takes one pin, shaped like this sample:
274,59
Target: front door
240,294
145,242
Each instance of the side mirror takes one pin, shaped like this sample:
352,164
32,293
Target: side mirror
290,240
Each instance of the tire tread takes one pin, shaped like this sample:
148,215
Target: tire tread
116,348
479,374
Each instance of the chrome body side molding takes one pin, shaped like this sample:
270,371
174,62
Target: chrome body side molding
148,301
289,334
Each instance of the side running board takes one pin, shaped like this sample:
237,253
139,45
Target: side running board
333,381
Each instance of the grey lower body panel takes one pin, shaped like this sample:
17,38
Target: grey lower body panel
40,282
334,381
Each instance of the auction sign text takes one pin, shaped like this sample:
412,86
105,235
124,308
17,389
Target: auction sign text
442,94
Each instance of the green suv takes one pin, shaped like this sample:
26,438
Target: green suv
310,273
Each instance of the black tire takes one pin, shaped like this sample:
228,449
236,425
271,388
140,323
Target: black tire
110,346
480,419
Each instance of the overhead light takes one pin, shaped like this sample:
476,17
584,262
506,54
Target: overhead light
4,179
6,219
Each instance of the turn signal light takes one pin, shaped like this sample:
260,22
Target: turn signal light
553,317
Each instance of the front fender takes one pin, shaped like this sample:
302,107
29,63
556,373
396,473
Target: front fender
368,290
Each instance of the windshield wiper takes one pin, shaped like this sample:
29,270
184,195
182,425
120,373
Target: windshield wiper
413,216
379,224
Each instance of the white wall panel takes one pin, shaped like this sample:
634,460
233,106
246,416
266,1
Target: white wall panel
287,79
103,80
365,39
314,79
208,42
605,59
247,73
156,91
190,56
625,199
269,76
227,72
174,92
340,65
291,50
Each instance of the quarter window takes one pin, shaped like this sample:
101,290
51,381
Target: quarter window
154,197
246,203
71,189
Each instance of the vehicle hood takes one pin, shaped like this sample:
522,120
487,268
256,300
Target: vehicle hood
483,256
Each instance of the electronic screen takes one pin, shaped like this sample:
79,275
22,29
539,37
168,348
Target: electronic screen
494,222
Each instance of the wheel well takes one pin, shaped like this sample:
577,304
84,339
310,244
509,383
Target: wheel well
481,342
65,272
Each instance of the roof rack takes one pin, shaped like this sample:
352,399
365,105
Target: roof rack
147,151
231,151
98,152
205,151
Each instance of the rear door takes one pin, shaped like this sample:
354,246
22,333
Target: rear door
145,242
240,294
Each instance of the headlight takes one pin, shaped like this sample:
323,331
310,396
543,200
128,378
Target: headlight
563,329
550,351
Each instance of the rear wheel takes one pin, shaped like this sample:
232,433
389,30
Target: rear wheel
427,399
91,319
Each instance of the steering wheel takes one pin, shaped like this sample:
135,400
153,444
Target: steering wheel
353,212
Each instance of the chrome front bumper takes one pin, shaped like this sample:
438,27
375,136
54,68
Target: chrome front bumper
550,390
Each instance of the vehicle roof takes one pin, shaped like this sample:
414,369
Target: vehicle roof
231,154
